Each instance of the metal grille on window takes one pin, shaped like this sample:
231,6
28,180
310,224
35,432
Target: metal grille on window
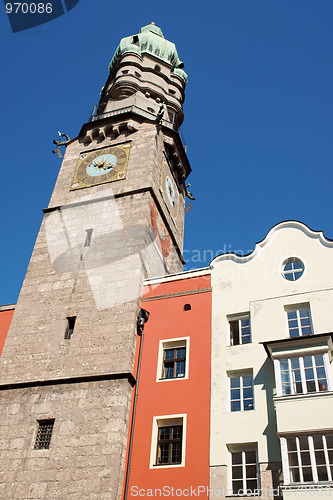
174,362
44,434
169,445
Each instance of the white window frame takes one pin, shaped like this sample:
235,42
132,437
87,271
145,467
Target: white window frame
297,308
242,448
239,318
172,344
240,375
165,421
312,453
278,379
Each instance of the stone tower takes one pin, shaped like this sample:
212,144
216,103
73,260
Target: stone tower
116,216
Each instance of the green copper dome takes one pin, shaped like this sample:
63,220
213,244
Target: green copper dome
150,40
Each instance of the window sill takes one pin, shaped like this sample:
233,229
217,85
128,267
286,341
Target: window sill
166,466
172,379
304,486
308,395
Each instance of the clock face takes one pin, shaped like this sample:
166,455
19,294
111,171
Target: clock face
101,166
169,189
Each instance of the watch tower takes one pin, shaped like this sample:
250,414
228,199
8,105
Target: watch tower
116,217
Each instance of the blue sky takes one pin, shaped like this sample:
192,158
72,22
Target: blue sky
258,115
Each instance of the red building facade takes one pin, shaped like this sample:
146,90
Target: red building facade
169,453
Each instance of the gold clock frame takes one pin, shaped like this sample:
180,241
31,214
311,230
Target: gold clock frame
82,180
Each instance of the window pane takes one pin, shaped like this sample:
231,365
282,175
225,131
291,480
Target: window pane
251,471
304,313
234,332
176,432
291,444
248,404
305,458
250,457
292,315
235,406
329,440
236,458
163,454
293,458
235,394
322,473
180,369
181,353
247,381
176,453
307,474
251,485
320,458
307,330
237,472
235,382
248,393
294,475
169,353
237,486
164,433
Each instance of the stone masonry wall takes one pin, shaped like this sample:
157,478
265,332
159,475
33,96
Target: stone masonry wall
87,450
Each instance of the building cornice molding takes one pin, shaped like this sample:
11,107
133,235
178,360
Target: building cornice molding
288,224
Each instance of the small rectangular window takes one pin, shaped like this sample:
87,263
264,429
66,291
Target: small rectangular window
240,330
44,433
70,327
241,392
88,237
174,362
299,321
173,359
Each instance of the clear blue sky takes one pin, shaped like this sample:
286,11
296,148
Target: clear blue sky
258,114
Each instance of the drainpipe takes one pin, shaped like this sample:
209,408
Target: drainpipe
142,319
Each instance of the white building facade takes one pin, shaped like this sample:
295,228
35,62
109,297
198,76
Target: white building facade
272,387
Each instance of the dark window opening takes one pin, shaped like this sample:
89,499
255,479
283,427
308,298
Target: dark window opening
172,92
88,237
137,74
135,39
169,445
240,331
70,327
125,71
157,67
187,307
44,434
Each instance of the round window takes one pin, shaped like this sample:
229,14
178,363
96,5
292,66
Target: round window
292,269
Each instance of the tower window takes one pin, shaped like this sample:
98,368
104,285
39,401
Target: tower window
125,71
187,307
157,68
44,433
172,92
70,327
88,237
137,74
